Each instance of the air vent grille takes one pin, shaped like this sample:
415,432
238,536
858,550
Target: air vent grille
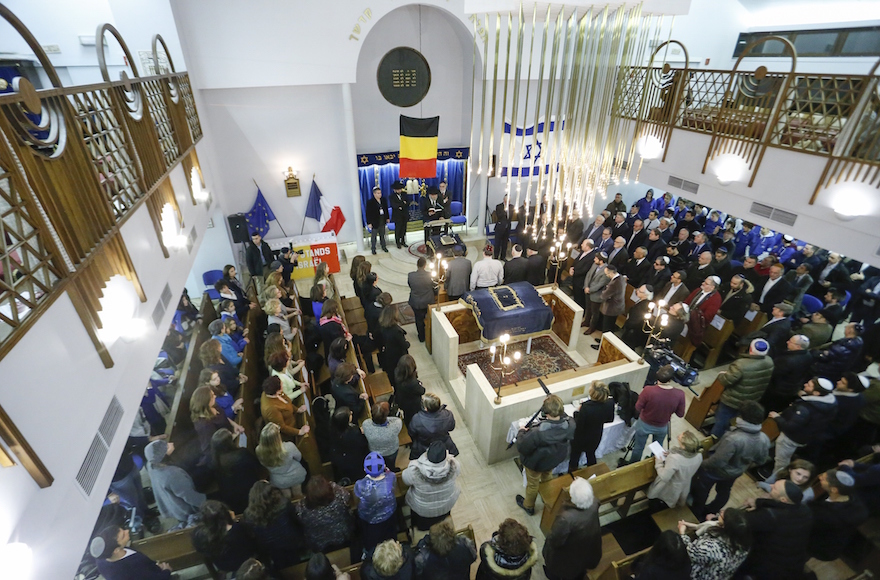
683,184
158,313
193,234
772,213
166,295
91,466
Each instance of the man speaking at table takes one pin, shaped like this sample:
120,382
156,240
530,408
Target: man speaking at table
542,447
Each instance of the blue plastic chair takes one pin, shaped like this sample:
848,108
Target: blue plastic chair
209,278
457,219
846,298
736,263
811,304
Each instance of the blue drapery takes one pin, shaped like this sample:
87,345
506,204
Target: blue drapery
452,170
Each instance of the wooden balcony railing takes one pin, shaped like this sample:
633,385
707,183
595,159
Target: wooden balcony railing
75,163
833,116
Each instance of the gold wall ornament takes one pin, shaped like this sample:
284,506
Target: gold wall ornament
750,102
362,19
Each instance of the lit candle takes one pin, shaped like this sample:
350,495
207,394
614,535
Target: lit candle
517,355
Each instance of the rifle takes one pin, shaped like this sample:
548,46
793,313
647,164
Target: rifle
535,416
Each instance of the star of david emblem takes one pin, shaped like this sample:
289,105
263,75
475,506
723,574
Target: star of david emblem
364,159
458,154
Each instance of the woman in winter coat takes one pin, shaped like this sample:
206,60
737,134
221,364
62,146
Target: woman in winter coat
325,515
271,521
221,539
574,544
675,471
432,423
236,470
589,422
509,555
393,339
377,503
389,561
718,550
442,555
408,389
433,488
349,447
838,358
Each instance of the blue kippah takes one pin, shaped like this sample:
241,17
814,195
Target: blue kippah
374,464
760,345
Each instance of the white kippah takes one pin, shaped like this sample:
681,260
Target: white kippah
96,547
826,385
715,279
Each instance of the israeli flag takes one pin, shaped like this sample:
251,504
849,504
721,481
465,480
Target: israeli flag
529,155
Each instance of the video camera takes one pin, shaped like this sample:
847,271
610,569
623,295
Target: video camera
658,355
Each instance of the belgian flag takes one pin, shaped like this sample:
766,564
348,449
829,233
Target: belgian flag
418,146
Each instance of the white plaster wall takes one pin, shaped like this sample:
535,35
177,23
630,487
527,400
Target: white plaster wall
56,390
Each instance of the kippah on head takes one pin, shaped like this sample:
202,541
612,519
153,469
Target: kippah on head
685,308
603,255
844,478
760,346
103,545
377,188
715,279
865,381
488,249
825,384
722,249
664,259
793,492
374,464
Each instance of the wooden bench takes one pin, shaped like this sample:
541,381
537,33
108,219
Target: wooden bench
175,548
618,569
611,553
703,406
551,490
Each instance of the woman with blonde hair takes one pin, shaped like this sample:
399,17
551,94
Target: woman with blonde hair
272,308
589,423
322,277
282,459
389,560
675,470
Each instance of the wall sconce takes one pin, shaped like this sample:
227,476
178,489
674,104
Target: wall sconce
16,560
729,168
291,182
200,194
118,308
171,236
649,147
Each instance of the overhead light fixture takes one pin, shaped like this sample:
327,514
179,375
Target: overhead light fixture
729,168
16,560
199,193
649,147
171,236
118,309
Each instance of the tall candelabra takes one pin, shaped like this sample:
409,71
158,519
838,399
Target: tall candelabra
656,319
438,272
505,366
558,252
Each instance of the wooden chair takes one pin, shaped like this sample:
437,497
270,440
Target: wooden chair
704,405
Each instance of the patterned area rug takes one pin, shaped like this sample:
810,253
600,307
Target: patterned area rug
419,250
546,358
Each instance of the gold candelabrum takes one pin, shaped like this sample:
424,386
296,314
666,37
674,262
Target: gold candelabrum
505,366
656,319
438,272
559,251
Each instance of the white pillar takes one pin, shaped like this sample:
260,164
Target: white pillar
351,154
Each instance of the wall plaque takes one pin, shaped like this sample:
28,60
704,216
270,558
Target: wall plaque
404,76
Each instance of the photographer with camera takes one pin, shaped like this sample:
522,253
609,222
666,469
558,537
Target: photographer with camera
655,406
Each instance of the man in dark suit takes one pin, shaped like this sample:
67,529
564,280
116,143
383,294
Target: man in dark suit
516,268
776,289
700,245
655,244
800,281
666,232
377,217
659,274
613,300
636,270
867,302
721,264
502,228
594,231
620,229
606,242
831,273
687,223
675,291
618,255
775,331
638,237
399,212
684,244
432,209
259,255
578,272
458,274
421,295
699,270
536,273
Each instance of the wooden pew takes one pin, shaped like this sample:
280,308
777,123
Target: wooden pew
176,549
703,406
619,569
550,491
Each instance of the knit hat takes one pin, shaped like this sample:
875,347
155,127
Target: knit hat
825,384
437,452
760,346
793,492
274,265
104,543
786,309
374,464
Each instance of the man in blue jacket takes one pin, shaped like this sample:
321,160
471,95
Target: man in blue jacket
805,421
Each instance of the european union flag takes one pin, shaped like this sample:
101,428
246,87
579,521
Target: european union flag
313,208
260,215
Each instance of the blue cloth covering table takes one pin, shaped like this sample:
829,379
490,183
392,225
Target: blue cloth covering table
516,309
